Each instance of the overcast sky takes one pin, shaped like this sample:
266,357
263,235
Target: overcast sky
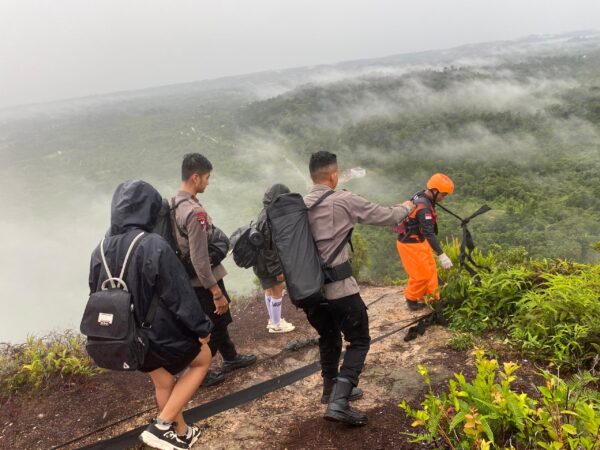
54,49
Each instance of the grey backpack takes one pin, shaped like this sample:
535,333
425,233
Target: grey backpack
305,272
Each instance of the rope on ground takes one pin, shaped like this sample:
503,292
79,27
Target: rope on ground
130,438
291,346
378,299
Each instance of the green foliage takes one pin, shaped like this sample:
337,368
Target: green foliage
360,256
35,363
491,302
536,165
488,302
532,156
550,308
384,262
462,341
486,413
560,320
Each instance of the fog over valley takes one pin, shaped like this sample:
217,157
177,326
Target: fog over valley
516,124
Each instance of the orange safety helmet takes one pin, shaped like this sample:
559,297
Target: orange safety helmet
442,183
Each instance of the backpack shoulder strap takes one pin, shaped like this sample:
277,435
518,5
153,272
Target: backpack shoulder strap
320,200
130,251
106,268
147,323
339,248
174,206
120,281
348,237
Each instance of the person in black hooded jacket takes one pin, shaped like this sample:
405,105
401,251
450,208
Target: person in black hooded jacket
180,331
268,268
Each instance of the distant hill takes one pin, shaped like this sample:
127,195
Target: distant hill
516,124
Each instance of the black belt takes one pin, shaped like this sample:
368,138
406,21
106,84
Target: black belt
338,273
410,239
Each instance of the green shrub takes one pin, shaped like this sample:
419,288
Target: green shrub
488,301
491,302
549,308
488,414
360,256
462,341
36,362
560,321
389,281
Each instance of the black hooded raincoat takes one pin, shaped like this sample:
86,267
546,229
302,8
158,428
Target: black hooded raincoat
153,268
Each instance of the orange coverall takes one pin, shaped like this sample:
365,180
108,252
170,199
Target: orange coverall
416,243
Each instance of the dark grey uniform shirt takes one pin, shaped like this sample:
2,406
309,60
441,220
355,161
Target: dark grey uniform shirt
193,219
331,221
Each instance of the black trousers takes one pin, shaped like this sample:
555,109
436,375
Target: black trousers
347,316
220,341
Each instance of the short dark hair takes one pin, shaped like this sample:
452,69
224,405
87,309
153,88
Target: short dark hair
194,163
319,161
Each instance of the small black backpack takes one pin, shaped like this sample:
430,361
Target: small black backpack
218,242
246,243
218,246
115,340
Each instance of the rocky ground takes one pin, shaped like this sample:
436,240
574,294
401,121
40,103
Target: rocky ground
289,418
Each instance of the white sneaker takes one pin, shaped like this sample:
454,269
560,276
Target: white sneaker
270,324
282,327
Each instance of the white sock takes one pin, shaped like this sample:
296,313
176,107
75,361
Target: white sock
268,302
163,425
276,310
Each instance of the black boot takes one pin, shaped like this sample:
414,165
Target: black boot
414,305
328,383
238,362
338,409
213,377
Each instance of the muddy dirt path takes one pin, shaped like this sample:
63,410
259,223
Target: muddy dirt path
287,418
291,417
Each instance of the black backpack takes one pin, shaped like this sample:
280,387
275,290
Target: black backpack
218,242
164,225
304,270
246,243
218,246
114,338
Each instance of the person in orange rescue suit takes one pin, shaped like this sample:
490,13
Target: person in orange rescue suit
417,241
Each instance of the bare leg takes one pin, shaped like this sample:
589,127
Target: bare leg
268,295
164,383
277,290
163,386
182,390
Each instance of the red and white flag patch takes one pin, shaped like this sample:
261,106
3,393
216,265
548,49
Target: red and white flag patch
202,219
428,217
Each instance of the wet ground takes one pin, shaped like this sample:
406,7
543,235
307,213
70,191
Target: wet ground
287,418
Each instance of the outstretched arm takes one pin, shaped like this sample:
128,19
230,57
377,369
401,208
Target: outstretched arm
370,213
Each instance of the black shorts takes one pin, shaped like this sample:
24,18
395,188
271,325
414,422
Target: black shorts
268,283
153,361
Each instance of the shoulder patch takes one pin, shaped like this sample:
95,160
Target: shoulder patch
202,219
